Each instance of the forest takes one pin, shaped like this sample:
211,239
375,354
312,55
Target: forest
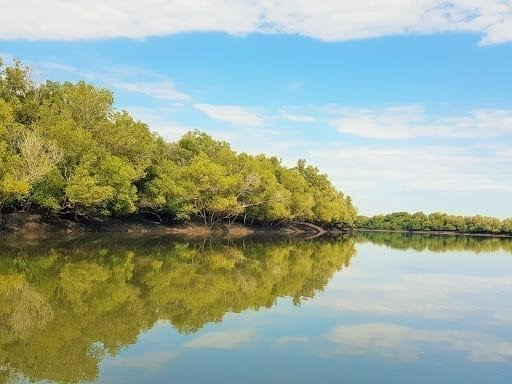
63,146
419,221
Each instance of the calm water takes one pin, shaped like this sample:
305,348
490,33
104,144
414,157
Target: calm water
382,307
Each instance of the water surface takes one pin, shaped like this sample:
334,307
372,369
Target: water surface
377,307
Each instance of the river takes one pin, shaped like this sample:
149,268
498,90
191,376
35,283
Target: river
376,307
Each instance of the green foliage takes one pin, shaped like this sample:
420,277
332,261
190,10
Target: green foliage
48,192
12,189
419,221
64,144
207,178
129,140
84,189
104,185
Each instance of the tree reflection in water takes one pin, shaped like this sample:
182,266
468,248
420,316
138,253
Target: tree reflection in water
436,243
64,305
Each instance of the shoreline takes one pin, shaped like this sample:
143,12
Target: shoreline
34,225
436,233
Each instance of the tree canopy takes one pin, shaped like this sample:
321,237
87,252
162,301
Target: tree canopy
63,144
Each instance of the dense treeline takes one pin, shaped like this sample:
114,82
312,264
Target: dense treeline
63,145
420,221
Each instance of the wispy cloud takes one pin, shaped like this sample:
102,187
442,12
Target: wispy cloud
164,90
60,67
411,121
233,114
428,167
131,79
328,20
222,340
298,118
158,121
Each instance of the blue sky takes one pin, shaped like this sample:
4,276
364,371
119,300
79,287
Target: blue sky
407,105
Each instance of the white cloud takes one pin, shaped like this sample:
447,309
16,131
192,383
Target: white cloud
406,344
156,119
298,118
131,79
419,174
328,20
222,340
411,121
500,32
164,90
233,114
53,65
388,173
376,168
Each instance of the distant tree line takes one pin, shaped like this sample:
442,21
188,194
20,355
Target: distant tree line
434,243
64,146
420,221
